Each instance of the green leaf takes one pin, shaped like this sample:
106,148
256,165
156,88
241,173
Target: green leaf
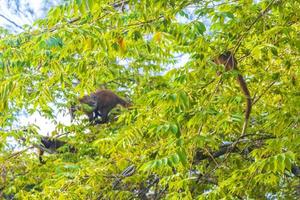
183,14
182,157
175,159
174,129
184,99
200,27
54,42
256,52
90,4
281,162
87,108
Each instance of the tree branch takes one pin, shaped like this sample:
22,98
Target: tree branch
231,148
238,44
12,22
18,153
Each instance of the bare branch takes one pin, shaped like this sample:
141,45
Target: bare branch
18,153
12,22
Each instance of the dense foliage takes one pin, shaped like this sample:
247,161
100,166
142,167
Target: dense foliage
181,139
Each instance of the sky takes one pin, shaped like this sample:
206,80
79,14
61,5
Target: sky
4,10
28,12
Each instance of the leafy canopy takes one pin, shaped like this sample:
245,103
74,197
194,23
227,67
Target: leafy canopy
181,139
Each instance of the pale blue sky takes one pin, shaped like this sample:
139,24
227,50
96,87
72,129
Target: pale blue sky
23,16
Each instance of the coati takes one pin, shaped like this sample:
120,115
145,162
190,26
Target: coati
51,145
228,60
88,106
100,104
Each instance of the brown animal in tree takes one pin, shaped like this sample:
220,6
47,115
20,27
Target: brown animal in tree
88,106
51,145
101,103
228,60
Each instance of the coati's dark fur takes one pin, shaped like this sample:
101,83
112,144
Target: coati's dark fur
52,145
228,60
102,102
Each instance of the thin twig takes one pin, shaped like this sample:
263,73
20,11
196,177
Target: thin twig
211,156
62,134
18,153
12,22
250,27
263,93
